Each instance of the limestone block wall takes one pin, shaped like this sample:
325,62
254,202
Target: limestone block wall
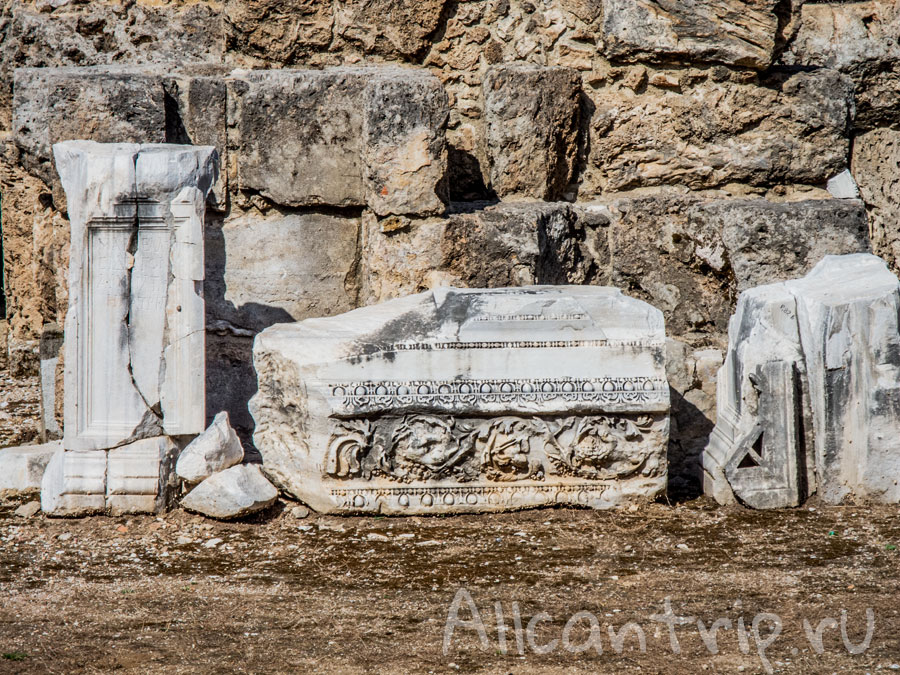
372,149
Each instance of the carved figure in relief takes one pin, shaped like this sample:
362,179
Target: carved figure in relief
595,447
506,452
427,447
350,443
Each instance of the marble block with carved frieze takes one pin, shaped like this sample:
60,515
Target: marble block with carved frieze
463,400
134,333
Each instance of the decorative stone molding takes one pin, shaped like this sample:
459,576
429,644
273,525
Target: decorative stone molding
135,325
466,401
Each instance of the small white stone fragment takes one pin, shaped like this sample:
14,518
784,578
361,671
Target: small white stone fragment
300,512
216,449
375,536
28,510
22,468
231,493
843,186
212,543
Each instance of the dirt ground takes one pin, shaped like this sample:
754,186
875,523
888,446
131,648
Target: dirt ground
279,594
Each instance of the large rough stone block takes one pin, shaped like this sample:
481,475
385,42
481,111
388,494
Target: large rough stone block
336,145
709,132
810,390
656,258
766,241
532,129
859,39
404,145
316,117
98,33
736,32
467,401
280,267
115,104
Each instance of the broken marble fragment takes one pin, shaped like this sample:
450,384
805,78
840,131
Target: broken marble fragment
232,493
135,325
22,467
214,450
462,400
809,395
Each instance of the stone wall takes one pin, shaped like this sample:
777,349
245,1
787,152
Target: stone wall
373,149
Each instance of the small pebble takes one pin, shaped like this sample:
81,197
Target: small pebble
212,543
300,512
375,536
65,536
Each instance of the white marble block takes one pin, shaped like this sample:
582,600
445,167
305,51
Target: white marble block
22,467
135,324
467,400
809,395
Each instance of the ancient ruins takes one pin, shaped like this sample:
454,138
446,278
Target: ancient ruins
450,256
467,400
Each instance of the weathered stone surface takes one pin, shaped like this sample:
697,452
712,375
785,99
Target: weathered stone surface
136,213
28,510
35,256
316,117
808,396
876,166
336,146
132,478
859,39
735,32
390,26
283,31
404,144
502,245
692,374
138,476
791,129
765,241
758,450
97,33
253,282
232,493
51,343
656,258
22,468
74,483
460,400
230,378
214,450
532,116
104,105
